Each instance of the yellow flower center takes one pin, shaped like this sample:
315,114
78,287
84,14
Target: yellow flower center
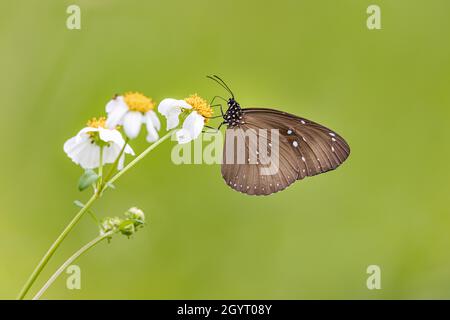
97,123
200,105
138,102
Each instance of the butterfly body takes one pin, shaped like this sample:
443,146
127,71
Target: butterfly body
234,113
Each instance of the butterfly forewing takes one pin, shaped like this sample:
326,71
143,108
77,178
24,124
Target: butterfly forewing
305,148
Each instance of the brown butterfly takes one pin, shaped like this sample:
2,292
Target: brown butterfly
302,148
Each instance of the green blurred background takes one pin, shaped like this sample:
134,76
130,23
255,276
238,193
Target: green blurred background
385,91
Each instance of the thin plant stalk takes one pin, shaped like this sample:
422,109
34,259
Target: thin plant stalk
42,263
69,261
105,183
100,168
140,157
116,162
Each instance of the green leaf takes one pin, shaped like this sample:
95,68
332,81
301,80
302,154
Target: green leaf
87,179
127,228
78,203
110,185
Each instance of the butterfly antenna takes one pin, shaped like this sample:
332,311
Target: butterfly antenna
221,83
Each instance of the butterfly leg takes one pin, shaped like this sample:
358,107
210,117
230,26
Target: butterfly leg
213,117
215,130
215,97
221,109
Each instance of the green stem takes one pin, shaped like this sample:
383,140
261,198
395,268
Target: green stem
69,261
138,158
116,162
94,217
53,248
100,169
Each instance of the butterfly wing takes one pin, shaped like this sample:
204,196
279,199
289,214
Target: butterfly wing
305,149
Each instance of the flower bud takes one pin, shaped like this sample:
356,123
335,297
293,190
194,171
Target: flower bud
136,214
134,219
127,228
110,224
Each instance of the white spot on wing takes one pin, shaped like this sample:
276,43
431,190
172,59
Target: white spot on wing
295,143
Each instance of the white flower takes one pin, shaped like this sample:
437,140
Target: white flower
192,127
199,112
84,148
132,110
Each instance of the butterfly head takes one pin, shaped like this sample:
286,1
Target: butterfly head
232,103
233,116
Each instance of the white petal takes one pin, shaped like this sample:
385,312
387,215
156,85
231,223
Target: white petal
108,135
183,136
152,123
121,162
152,134
129,150
70,145
171,109
132,123
169,104
75,148
112,104
153,118
173,119
88,157
116,115
194,123
91,159
111,153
